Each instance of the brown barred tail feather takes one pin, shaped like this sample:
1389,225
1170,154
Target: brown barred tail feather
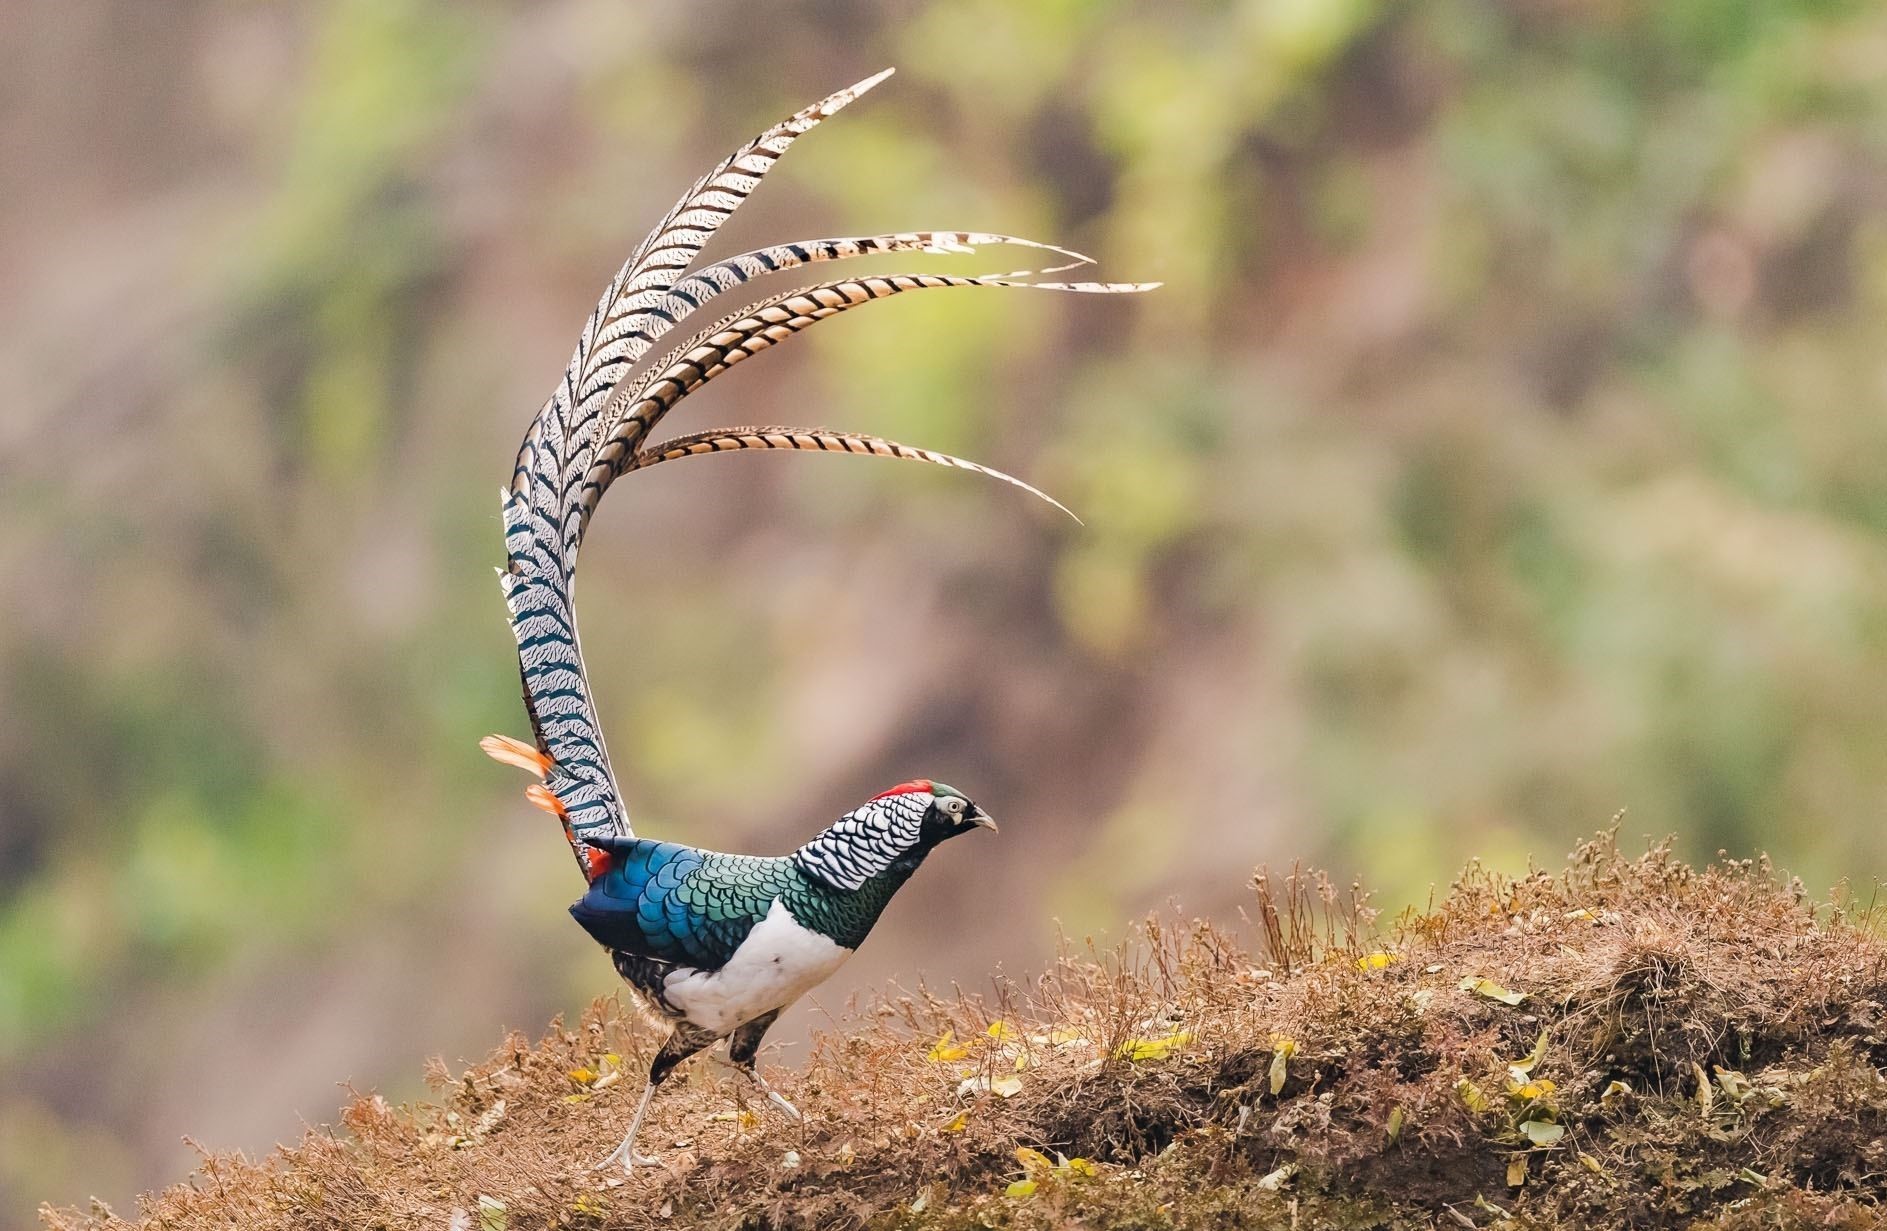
760,327
692,293
819,440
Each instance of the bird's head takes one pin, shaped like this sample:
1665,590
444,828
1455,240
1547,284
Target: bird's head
950,811
894,827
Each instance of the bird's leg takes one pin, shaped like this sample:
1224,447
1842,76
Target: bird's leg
741,1049
684,1042
774,1096
627,1151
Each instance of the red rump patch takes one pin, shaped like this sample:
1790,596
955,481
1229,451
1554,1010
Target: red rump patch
596,862
913,787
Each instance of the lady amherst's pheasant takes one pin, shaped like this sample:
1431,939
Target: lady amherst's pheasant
717,944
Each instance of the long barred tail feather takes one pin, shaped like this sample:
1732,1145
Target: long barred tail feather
760,327
542,526
692,293
819,440
695,292
632,302
596,422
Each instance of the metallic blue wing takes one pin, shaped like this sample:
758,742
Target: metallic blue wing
674,903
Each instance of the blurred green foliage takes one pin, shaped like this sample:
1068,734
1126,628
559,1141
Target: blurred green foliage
1507,447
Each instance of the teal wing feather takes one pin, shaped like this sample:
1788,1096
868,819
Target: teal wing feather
678,904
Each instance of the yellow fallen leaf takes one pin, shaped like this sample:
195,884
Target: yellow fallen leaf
582,1077
1593,1165
1490,989
1614,1091
590,1204
1020,1188
1538,1054
1081,1168
1001,1031
1542,1132
1516,1171
1138,1050
576,1098
1376,961
1034,1160
1735,1086
1282,1051
945,1051
748,1121
1704,1097
957,1124
612,1059
1396,1119
1471,1095
1006,1087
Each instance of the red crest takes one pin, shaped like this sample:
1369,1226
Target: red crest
913,787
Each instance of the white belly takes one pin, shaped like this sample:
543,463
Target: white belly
779,962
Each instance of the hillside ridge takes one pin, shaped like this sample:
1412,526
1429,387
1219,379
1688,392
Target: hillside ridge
1628,1042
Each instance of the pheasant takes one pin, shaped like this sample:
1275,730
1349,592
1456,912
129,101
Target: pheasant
717,944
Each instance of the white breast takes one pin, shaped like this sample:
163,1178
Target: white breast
779,962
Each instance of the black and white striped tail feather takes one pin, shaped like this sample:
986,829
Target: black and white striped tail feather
593,427
542,530
567,422
630,303
543,615
566,427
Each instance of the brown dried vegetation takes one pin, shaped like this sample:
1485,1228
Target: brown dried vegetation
1689,1048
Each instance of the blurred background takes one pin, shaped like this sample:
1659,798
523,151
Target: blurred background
1508,447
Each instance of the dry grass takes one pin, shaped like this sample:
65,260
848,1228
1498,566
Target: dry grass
1713,1054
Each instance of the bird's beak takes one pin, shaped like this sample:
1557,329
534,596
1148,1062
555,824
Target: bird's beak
983,820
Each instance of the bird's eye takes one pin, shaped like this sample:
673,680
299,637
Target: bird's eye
953,805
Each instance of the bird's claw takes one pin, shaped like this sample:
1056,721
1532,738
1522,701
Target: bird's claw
629,1159
786,1109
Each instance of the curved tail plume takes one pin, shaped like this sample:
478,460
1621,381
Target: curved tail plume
595,426
818,440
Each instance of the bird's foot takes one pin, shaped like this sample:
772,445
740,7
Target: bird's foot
630,1159
773,1096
